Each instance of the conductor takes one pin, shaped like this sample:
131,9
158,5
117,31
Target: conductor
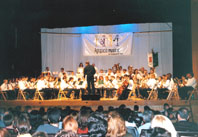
89,72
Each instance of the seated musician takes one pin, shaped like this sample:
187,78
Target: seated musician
80,69
123,90
23,85
111,85
165,85
73,76
41,83
80,85
31,88
100,86
109,73
4,86
188,86
71,87
149,85
124,72
46,72
62,73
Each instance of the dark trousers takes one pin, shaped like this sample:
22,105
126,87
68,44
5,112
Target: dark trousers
183,92
144,92
124,95
90,86
100,91
162,93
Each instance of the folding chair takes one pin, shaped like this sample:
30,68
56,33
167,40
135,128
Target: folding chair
3,93
21,95
61,94
38,95
193,93
173,94
152,95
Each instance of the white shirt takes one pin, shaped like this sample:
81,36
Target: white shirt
151,83
80,70
63,85
130,86
22,85
115,84
4,87
191,82
41,84
166,84
60,75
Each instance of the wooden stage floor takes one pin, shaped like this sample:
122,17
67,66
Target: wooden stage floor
76,103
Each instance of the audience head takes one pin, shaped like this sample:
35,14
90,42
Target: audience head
116,125
136,108
147,116
8,119
23,125
100,109
182,114
161,121
35,119
82,118
4,132
70,124
97,125
166,106
54,115
64,133
146,108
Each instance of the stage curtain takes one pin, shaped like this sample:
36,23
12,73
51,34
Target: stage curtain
65,50
194,10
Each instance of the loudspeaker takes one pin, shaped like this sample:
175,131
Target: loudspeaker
90,97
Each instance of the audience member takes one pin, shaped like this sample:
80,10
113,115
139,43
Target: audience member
70,124
54,116
82,119
4,132
165,111
161,121
35,120
182,123
97,125
23,126
8,120
147,117
116,126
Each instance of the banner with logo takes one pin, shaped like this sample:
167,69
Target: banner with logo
150,59
107,44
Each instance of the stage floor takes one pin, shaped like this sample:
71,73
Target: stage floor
103,101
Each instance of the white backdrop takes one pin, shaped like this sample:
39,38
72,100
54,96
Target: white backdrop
65,50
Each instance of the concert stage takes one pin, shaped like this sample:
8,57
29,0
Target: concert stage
77,103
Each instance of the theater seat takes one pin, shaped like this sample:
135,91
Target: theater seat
187,133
